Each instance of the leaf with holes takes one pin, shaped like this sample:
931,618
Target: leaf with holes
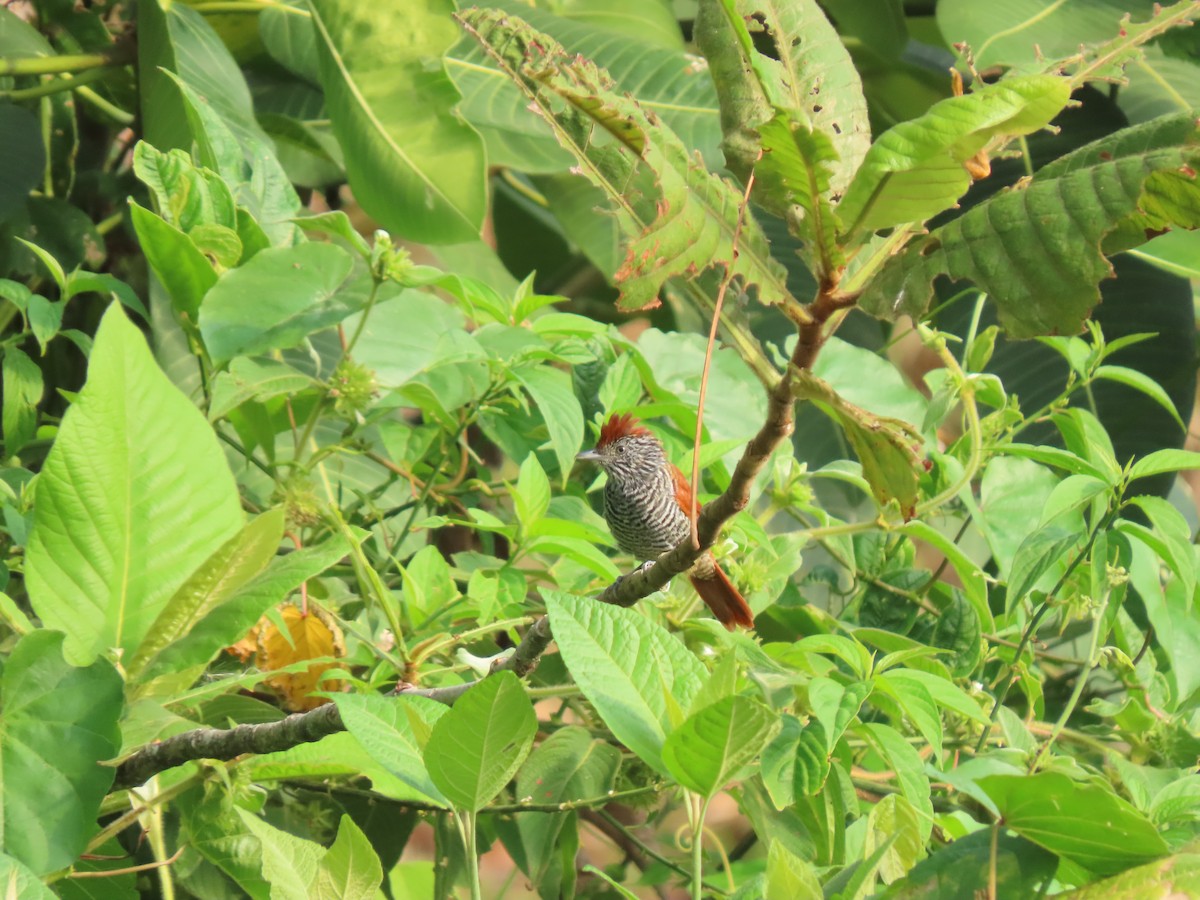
680,218
802,77
1038,248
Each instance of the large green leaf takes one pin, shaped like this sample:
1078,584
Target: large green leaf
1038,248
715,742
295,291
680,217
134,496
413,166
394,732
174,258
478,746
59,724
915,170
633,671
1086,823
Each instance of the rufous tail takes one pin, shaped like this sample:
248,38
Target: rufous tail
719,595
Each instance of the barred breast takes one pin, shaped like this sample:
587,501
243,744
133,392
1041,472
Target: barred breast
643,515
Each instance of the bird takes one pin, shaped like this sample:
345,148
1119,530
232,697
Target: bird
646,504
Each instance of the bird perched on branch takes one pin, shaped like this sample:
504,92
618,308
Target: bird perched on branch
646,504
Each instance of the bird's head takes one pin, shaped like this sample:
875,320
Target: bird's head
625,448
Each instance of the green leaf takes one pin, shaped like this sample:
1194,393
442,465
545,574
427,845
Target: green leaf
23,389
1038,248
552,392
80,282
894,823
532,494
680,217
45,319
394,731
19,880
915,169
1161,461
886,447
715,742
632,670
289,863
223,624
793,179
175,259
963,868
1176,876
1139,381
1083,822
1041,551
184,195
295,291
22,155
59,724
569,765
350,868
795,72
789,877
237,561
253,379
812,761
904,760
413,166
134,495
1171,538
478,746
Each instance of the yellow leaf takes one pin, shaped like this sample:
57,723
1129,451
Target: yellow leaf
314,635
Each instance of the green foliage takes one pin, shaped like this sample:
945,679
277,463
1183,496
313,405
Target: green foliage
262,458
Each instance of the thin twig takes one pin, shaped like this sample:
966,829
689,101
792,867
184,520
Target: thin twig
708,351
144,867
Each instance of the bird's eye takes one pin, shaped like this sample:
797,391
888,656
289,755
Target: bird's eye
620,449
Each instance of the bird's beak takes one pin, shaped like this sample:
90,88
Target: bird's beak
589,456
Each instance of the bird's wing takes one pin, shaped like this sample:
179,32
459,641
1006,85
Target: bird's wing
683,490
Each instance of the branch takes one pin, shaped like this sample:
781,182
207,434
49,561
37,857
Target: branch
299,728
